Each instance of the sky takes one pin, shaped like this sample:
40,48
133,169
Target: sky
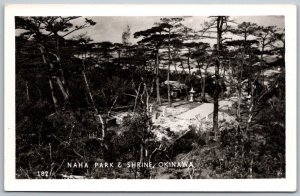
111,28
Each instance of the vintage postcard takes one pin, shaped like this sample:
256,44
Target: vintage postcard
150,97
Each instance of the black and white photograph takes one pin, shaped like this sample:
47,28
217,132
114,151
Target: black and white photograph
150,97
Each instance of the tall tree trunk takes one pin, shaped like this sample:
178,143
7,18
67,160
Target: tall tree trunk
157,78
60,79
204,84
262,53
89,92
216,100
240,86
42,49
61,87
52,95
262,59
27,91
240,92
168,76
224,78
188,60
239,100
220,21
93,105
251,106
65,90
202,80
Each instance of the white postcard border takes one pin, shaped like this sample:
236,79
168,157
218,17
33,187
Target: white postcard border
241,185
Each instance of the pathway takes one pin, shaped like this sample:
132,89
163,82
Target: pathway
203,111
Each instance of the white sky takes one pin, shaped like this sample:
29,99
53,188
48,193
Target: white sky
111,28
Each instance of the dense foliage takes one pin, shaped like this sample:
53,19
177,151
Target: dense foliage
69,93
